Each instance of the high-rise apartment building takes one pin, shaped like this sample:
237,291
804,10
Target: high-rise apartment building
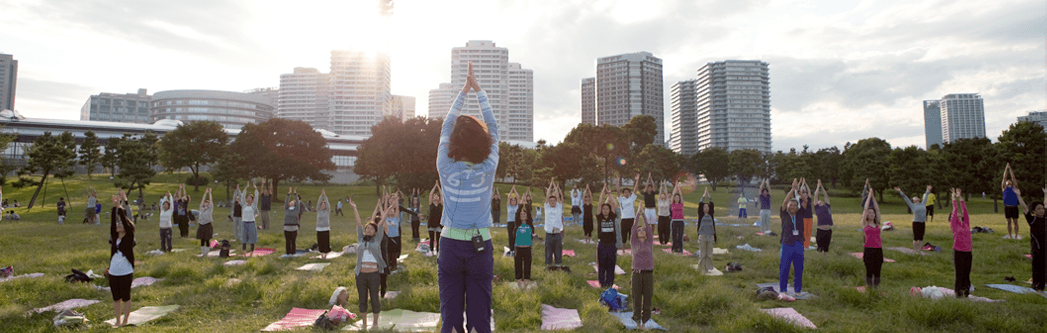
121,108
626,86
401,107
932,122
8,81
1039,117
509,87
963,116
589,101
732,107
683,101
350,99
440,100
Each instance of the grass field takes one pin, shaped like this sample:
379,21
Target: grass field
689,301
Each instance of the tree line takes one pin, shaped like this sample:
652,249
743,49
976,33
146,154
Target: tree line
404,154
278,149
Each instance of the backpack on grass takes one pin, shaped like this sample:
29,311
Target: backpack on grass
614,301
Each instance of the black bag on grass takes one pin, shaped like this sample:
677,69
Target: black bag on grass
77,276
324,322
224,252
734,267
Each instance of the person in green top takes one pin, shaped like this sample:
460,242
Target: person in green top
931,199
742,205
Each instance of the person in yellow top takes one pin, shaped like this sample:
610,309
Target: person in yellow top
931,199
742,205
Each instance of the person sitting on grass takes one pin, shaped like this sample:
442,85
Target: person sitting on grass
873,255
643,271
1038,238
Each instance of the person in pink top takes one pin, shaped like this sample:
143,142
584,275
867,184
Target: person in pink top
643,270
873,255
676,213
962,248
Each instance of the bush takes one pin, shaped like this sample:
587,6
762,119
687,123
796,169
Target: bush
203,181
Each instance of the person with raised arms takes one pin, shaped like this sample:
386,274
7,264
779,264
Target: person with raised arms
765,207
808,213
650,204
249,213
416,218
436,211
627,204
643,272
265,203
1010,202
873,252
1038,238
823,211
369,262
676,209
205,229
121,260
576,204
511,207
293,208
609,235
166,210
467,158
587,212
664,214
706,233
792,241
962,246
919,215
323,224
553,225
522,243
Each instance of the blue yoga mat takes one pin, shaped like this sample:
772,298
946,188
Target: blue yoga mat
626,318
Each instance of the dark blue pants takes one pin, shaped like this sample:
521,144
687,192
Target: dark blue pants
165,239
791,254
606,256
463,271
677,235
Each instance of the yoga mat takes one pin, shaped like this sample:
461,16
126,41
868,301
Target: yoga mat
617,269
1012,288
401,320
946,292
748,247
235,262
177,250
861,255
596,284
528,285
790,315
568,253
137,282
261,252
714,272
65,305
583,241
684,253
149,313
625,252
316,267
330,255
391,294
560,319
296,318
31,275
907,250
626,318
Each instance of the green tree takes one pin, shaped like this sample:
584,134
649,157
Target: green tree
112,155
868,158
793,165
713,163
909,170
90,153
972,164
608,144
193,145
1024,146
280,149
138,155
229,171
744,164
49,156
403,151
661,162
826,165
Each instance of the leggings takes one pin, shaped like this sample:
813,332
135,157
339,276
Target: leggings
606,258
289,241
1038,250
394,252
823,237
677,226
663,229
522,262
415,224
434,236
962,260
873,258
165,239
511,228
627,227
918,230
791,254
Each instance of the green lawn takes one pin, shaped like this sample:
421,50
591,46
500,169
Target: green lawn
689,301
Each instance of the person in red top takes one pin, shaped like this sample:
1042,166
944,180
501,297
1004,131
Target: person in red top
873,255
962,248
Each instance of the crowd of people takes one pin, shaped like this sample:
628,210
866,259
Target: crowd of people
464,206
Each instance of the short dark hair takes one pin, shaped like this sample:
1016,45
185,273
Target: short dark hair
469,142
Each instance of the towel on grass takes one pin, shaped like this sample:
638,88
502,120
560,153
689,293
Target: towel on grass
65,305
596,284
401,258
626,318
234,262
617,269
391,294
568,253
316,267
801,296
559,319
684,253
935,292
137,282
907,250
232,253
529,285
748,247
149,313
583,241
861,255
790,315
401,320
298,317
330,255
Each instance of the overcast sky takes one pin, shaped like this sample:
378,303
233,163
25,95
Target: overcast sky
840,70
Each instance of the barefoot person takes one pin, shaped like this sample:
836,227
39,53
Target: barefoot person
369,263
962,247
293,208
609,234
919,215
676,209
467,158
1038,238
166,210
823,211
553,225
873,253
522,243
1010,202
249,213
792,242
205,230
436,211
323,224
706,233
643,271
121,260
627,205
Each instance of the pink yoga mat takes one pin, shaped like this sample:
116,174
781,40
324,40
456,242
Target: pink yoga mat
790,315
296,318
860,255
596,284
568,253
685,252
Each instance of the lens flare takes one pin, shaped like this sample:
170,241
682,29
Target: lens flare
621,161
610,146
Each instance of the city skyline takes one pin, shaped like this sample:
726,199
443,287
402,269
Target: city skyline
842,71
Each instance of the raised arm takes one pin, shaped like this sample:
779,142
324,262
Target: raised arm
790,195
824,192
677,190
875,205
1021,201
905,197
356,212
432,191
618,186
1003,179
636,184
1014,181
763,185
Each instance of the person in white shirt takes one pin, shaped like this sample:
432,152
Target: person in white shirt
627,204
166,212
576,204
553,224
